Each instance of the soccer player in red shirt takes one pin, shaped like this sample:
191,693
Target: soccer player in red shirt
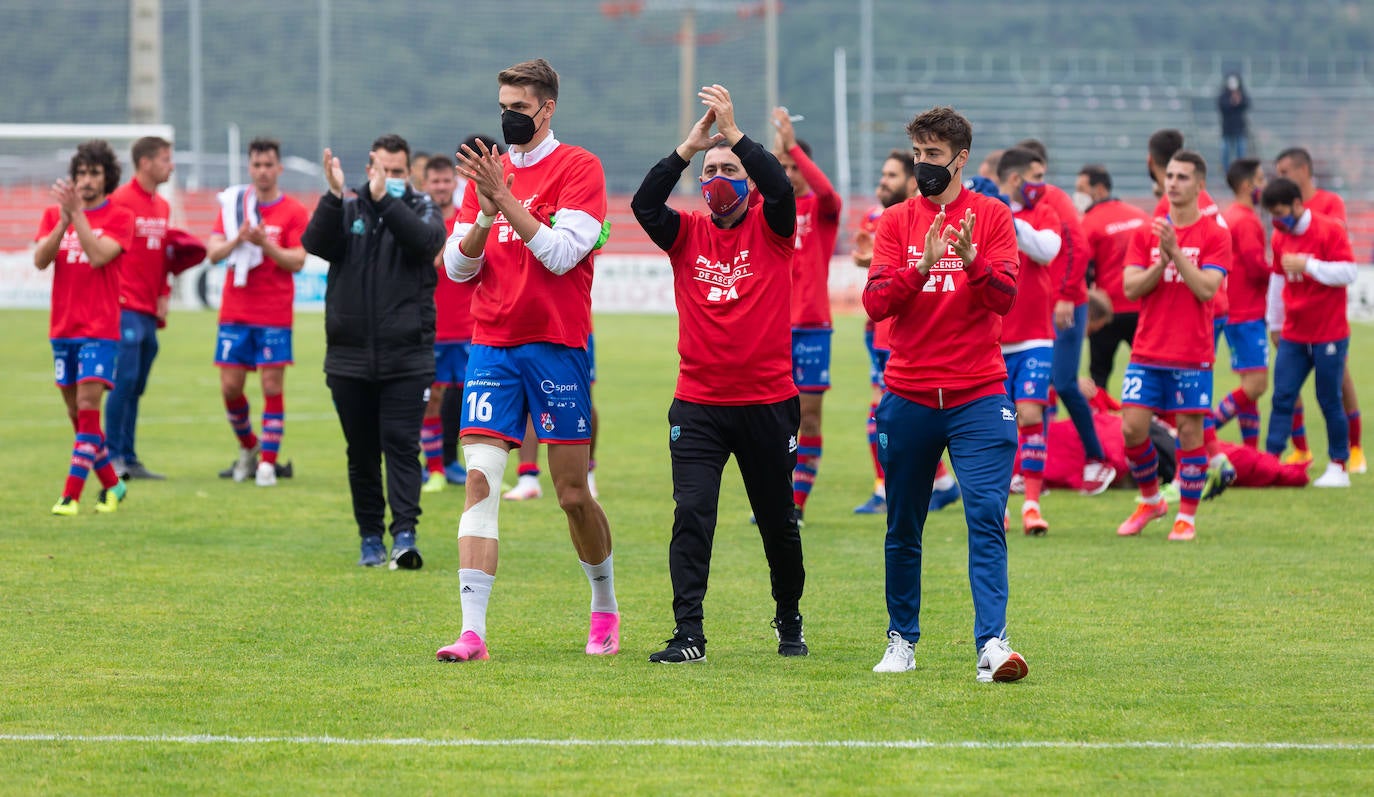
452,335
732,270
1028,329
896,184
944,270
84,236
1295,163
1174,267
143,294
1069,270
818,225
1108,224
526,230
1247,288
255,317
1313,263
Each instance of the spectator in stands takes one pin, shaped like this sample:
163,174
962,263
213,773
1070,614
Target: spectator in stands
1233,102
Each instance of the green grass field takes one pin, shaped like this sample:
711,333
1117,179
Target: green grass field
217,638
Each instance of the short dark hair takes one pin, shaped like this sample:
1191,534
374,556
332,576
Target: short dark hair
1188,156
1163,145
1298,155
1240,170
392,143
1034,145
941,123
471,141
97,152
439,163
1016,160
805,147
147,147
1097,174
264,144
537,74
907,160
1280,191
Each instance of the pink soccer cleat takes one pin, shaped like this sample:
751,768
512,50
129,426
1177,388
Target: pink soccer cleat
1141,517
603,638
469,647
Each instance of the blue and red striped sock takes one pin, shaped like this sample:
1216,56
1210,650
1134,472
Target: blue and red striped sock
1249,421
808,462
237,412
1192,476
1299,428
84,450
1354,419
1144,462
873,440
432,443
104,470
273,426
1229,407
1031,457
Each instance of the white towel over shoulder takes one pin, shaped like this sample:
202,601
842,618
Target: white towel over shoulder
237,204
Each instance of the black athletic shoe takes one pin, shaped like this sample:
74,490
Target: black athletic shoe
791,641
133,469
681,650
283,471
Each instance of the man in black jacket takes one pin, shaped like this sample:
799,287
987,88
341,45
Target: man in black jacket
379,333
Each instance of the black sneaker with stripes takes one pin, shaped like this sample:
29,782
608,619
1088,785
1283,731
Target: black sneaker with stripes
791,641
681,650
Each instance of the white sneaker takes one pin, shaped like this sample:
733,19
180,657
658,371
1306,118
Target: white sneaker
1335,476
591,483
267,474
526,488
247,463
900,655
998,662
1097,477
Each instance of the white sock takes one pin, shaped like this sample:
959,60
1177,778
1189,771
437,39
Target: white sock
944,482
602,579
1029,505
1188,518
880,490
474,592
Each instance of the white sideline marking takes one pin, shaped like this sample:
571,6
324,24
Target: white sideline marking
765,744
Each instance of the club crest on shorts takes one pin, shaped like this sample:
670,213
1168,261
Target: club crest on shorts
674,433
546,421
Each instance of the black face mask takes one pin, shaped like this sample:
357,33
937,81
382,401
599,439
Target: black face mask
932,179
518,128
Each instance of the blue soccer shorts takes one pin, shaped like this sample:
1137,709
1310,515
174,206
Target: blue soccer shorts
1167,389
548,382
811,359
1249,345
451,363
253,347
1029,374
77,360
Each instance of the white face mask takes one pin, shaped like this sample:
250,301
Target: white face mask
1082,201
1232,83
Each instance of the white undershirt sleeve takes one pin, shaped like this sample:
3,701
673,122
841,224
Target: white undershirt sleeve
1332,274
570,239
458,266
1273,307
1042,246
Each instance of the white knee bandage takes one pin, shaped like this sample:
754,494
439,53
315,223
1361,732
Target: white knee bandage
480,519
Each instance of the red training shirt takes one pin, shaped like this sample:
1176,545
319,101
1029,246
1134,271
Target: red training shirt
1313,312
818,225
1070,268
1109,226
732,288
947,325
1032,316
1175,328
516,299
452,301
85,300
1221,301
267,300
1247,284
143,268
1327,204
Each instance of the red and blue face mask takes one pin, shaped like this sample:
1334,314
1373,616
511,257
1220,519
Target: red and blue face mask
723,195
1031,193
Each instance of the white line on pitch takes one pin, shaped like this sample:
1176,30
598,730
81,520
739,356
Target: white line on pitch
765,744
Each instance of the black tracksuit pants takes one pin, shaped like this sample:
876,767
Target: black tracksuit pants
763,440
382,417
1103,343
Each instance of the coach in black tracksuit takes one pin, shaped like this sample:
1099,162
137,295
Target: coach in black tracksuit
735,394
379,331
